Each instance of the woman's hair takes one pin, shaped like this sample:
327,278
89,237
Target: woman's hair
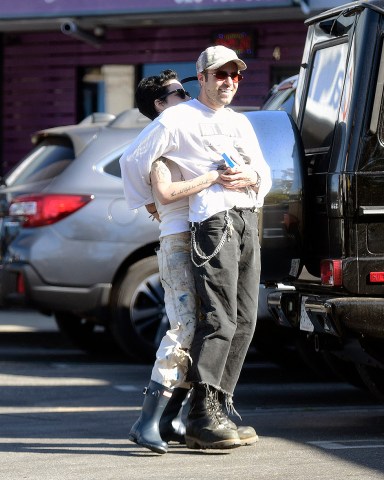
151,89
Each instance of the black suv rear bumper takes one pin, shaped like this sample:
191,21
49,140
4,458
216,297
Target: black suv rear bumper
329,315
362,315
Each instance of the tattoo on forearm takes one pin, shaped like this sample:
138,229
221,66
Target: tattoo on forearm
161,172
188,186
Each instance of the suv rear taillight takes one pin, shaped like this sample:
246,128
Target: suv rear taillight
331,273
44,209
20,284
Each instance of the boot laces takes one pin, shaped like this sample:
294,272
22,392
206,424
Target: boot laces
213,407
219,412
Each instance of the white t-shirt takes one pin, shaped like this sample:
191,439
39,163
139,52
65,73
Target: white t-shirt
174,216
194,136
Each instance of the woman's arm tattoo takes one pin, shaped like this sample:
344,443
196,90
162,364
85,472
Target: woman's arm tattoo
163,175
189,185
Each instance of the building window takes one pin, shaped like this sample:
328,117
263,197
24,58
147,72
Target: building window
106,88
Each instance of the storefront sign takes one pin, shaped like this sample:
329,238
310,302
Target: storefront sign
242,42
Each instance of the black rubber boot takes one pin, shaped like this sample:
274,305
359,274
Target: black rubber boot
203,429
172,426
247,434
145,431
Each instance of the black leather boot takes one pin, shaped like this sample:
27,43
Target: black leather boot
203,429
247,434
172,426
145,431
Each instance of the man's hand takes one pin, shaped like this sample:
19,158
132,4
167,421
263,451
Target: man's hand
239,177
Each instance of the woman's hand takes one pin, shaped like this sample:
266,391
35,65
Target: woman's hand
153,213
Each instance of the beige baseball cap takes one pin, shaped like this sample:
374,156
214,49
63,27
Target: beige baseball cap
217,56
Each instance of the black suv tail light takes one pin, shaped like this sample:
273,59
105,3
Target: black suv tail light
331,272
44,209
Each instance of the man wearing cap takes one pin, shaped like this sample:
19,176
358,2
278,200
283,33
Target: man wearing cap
225,245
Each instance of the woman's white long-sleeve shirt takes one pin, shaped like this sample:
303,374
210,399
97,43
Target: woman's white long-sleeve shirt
195,137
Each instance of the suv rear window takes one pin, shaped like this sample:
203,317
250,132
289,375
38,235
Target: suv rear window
324,96
113,168
47,160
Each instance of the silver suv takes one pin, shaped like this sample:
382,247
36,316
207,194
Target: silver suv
71,248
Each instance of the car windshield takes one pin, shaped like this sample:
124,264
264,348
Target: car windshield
282,96
283,100
44,162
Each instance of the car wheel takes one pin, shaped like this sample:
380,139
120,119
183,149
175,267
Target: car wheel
139,320
84,334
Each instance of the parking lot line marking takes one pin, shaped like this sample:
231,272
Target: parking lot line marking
16,329
127,388
8,380
346,410
63,409
348,444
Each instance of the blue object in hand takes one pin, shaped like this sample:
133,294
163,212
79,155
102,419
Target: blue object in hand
228,161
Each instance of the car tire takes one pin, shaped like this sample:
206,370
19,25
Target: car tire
86,335
138,318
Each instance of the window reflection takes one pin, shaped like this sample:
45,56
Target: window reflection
323,101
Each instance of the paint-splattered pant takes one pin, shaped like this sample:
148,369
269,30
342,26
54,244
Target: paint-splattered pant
175,266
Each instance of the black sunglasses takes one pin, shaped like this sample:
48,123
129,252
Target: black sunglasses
222,75
180,92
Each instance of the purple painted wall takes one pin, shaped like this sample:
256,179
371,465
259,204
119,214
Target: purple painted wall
39,8
40,70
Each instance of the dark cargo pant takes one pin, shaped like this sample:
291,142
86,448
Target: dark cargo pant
228,287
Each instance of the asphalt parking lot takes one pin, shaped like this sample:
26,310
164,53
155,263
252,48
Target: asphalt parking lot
66,415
